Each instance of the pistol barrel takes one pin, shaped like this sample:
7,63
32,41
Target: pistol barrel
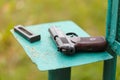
63,42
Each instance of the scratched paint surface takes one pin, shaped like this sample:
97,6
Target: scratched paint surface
113,26
44,52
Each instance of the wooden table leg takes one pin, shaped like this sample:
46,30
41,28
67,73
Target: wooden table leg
59,74
109,71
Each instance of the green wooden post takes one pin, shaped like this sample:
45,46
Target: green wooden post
60,74
109,71
113,38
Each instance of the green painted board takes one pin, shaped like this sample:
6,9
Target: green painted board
113,25
44,52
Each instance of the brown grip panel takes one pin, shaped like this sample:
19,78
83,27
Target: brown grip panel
90,44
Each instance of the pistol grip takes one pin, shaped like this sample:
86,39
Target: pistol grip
90,44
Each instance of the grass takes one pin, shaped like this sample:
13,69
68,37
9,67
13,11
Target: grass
14,63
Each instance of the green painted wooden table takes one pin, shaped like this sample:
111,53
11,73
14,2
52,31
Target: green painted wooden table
45,55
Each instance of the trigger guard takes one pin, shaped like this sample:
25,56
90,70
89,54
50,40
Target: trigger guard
72,34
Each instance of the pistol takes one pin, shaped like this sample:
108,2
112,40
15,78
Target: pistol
70,43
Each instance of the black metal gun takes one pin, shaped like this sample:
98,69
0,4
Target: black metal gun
71,44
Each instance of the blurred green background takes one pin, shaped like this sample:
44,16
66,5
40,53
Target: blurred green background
15,64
